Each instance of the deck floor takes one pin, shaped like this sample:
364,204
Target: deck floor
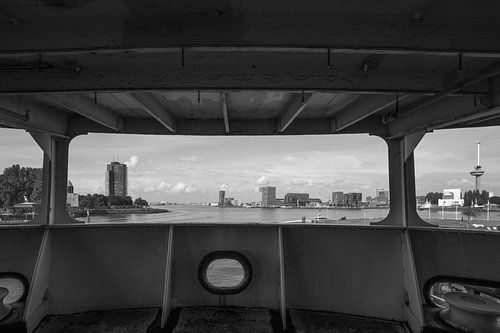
125,321
326,322
224,320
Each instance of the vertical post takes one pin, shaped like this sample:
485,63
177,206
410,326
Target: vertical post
59,180
167,306
37,304
282,279
413,309
44,141
397,213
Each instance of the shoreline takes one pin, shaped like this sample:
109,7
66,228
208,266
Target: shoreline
119,211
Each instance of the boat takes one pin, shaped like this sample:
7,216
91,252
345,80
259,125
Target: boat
320,218
390,69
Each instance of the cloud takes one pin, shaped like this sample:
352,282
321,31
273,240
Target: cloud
184,188
132,161
193,158
262,180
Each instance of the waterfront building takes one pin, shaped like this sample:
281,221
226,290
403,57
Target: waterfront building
268,196
339,199
296,199
222,195
353,199
116,179
451,197
71,197
228,202
382,197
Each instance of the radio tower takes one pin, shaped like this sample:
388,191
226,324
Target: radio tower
477,172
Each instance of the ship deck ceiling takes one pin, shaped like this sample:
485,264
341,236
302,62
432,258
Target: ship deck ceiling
254,68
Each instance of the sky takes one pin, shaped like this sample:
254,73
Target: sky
195,168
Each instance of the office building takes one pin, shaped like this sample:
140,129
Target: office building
116,179
339,199
296,199
382,197
268,196
353,199
222,195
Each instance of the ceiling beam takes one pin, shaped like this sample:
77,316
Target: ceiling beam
296,104
229,71
25,113
150,103
362,108
441,114
87,107
267,49
484,74
223,99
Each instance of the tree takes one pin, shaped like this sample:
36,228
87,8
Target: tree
140,202
433,197
470,212
17,183
120,201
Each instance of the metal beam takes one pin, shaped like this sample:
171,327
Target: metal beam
361,109
443,113
296,104
23,112
155,109
484,74
472,118
230,71
223,99
87,107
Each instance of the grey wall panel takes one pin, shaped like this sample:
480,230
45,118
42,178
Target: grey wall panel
258,243
107,268
356,271
19,249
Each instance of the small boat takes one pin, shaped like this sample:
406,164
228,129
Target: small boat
320,218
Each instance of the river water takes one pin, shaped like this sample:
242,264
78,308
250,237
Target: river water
200,214
206,214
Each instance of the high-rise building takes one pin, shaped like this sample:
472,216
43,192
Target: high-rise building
116,179
222,195
268,196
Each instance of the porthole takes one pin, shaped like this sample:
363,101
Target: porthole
437,287
17,286
225,272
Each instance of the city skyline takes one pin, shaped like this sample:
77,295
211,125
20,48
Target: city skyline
194,169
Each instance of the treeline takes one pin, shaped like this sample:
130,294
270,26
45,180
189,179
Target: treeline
100,201
433,197
475,197
17,183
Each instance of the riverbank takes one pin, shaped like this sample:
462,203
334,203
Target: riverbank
119,211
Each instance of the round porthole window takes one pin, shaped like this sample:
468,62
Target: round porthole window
225,272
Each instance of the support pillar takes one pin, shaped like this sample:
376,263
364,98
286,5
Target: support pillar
397,213
59,181
402,182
